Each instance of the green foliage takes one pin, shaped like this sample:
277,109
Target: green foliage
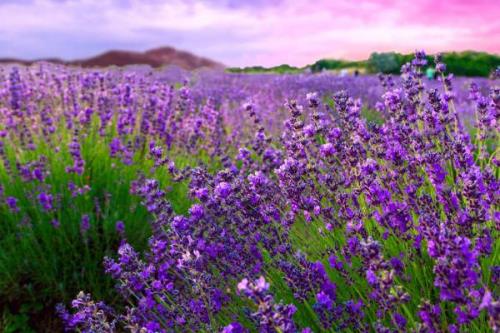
372,116
11,323
389,62
335,64
471,63
468,63
281,69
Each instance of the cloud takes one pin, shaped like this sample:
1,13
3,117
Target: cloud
247,32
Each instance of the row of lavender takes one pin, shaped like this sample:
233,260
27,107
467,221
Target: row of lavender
306,217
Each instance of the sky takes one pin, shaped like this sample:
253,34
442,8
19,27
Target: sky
247,32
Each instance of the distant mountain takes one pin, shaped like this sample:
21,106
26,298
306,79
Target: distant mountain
29,62
155,58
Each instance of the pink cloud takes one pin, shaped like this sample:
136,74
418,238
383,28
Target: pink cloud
355,29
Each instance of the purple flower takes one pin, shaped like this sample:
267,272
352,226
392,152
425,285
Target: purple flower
313,99
12,204
420,59
371,277
85,224
223,190
261,285
335,262
327,150
46,201
324,300
234,328
243,285
120,227
55,223
115,147
400,320
196,211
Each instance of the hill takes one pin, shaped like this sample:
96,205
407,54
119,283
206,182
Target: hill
158,57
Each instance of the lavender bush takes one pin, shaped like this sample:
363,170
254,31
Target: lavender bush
295,203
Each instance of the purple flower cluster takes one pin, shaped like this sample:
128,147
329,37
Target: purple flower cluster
270,316
89,316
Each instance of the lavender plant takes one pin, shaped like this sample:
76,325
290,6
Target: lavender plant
269,203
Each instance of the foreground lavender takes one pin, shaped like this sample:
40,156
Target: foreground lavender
333,223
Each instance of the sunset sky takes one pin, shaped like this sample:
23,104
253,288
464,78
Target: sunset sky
241,33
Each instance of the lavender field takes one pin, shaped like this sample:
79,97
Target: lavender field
140,200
